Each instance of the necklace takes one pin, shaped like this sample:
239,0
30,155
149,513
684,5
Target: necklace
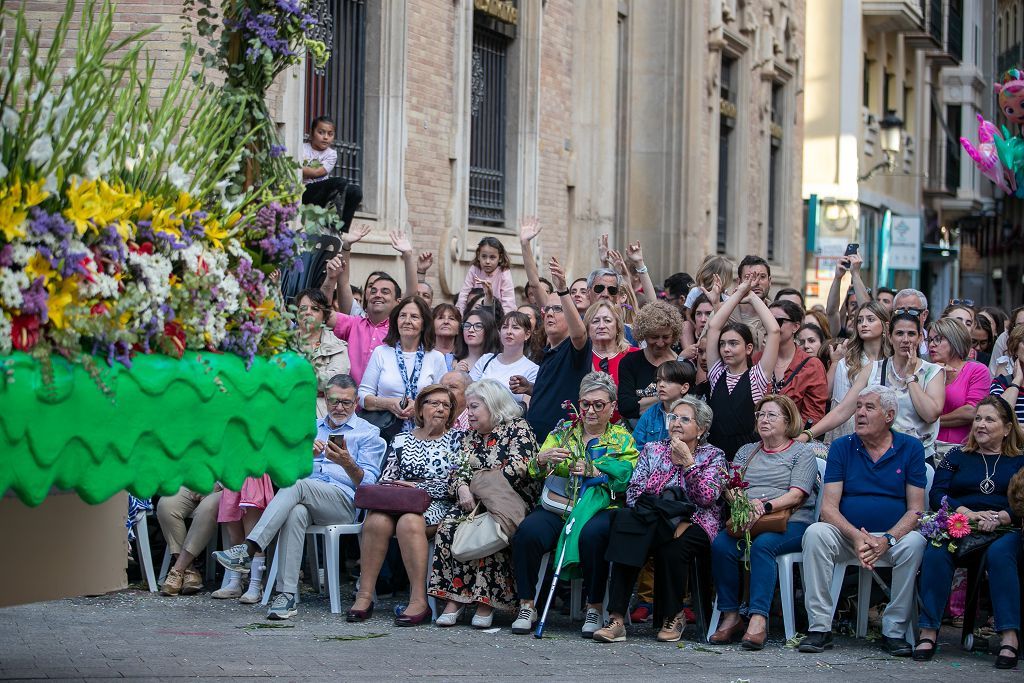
987,486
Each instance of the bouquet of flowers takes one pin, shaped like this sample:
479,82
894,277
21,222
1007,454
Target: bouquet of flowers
741,511
947,528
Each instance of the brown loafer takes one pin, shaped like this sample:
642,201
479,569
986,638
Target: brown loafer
172,583
724,636
754,641
192,583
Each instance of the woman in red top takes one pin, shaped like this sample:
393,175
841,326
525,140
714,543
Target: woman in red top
608,337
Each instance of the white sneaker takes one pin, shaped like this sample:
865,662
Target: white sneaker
251,596
229,592
592,623
525,621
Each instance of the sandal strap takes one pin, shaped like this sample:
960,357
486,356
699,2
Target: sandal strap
926,640
1011,648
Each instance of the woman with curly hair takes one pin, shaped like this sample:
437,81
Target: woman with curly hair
659,324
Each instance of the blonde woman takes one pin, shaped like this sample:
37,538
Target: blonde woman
607,333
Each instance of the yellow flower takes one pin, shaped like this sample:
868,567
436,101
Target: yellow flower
59,299
85,205
163,221
185,204
39,266
116,205
12,213
215,233
35,194
266,310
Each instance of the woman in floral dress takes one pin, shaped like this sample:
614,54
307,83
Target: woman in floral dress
498,439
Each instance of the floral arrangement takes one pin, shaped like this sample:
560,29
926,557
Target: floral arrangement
135,224
741,511
946,527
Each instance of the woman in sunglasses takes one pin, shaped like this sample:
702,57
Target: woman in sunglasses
736,383
587,448
919,385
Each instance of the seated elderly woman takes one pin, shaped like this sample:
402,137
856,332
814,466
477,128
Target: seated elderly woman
967,381
974,481
685,469
783,476
423,458
499,439
596,460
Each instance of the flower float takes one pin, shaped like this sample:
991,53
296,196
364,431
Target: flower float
144,342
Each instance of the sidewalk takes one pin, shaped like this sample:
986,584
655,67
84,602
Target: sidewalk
137,635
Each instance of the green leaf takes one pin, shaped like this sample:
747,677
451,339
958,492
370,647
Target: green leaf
365,636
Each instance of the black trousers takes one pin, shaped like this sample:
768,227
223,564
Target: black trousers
671,569
333,189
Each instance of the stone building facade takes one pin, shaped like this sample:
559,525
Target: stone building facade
676,123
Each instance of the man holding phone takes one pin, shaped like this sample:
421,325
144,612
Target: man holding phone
347,452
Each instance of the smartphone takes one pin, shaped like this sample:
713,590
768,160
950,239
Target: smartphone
339,441
852,248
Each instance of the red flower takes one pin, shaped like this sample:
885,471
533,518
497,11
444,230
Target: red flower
176,336
24,332
99,309
457,582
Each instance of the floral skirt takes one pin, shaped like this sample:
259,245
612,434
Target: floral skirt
489,580
257,492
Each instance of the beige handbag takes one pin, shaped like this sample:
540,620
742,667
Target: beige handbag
477,536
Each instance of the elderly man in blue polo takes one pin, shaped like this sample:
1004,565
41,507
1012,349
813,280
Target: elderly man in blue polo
873,491
347,452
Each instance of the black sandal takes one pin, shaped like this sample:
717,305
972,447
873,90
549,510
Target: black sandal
925,655
1004,662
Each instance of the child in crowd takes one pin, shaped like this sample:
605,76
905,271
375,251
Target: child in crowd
318,161
240,510
491,265
674,381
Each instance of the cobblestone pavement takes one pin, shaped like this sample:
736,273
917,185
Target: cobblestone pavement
137,635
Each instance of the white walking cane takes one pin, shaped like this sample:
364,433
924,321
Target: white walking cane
539,633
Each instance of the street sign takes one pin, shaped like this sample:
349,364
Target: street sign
905,243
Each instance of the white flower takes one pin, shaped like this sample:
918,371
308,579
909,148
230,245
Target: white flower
176,174
61,111
92,167
5,335
10,120
41,150
3,171
51,184
11,284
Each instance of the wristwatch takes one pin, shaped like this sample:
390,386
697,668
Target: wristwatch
641,270
563,293
768,507
890,539
913,378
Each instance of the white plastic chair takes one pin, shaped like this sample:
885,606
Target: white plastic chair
332,534
144,553
785,564
211,564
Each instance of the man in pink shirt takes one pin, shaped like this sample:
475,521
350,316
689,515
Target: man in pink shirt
364,334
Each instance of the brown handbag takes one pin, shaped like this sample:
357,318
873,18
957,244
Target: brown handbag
392,498
774,522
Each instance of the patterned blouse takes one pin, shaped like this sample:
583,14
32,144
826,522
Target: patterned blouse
429,463
509,447
702,482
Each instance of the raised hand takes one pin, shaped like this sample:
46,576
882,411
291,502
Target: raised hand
357,233
335,267
529,228
842,266
424,261
400,241
602,248
486,286
618,263
635,254
557,274
855,262
714,294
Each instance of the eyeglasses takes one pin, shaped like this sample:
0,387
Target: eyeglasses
783,321
476,327
612,289
557,308
432,403
916,312
307,309
763,415
598,406
343,402
961,302
602,365
935,340
681,419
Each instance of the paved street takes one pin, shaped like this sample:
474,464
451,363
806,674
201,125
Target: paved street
137,635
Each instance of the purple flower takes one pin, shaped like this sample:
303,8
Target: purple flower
34,300
41,224
6,256
244,341
277,150
289,6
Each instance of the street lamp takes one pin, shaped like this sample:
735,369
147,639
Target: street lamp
891,138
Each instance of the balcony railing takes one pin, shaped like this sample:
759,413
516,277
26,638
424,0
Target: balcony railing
1012,56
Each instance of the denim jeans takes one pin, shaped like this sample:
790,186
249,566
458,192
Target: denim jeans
727,558
937,577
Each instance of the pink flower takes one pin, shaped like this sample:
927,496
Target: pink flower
958,525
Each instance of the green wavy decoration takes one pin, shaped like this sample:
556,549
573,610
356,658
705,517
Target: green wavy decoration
169,423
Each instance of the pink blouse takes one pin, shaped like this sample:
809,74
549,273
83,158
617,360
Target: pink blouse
970,386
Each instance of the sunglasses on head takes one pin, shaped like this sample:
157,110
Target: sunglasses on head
612,289
916,312
961,302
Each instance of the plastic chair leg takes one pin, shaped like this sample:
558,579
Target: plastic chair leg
576,612
863,601
142,547
786,565
332,560
211,564
716,616
540,582
165,566
268,589
312,546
